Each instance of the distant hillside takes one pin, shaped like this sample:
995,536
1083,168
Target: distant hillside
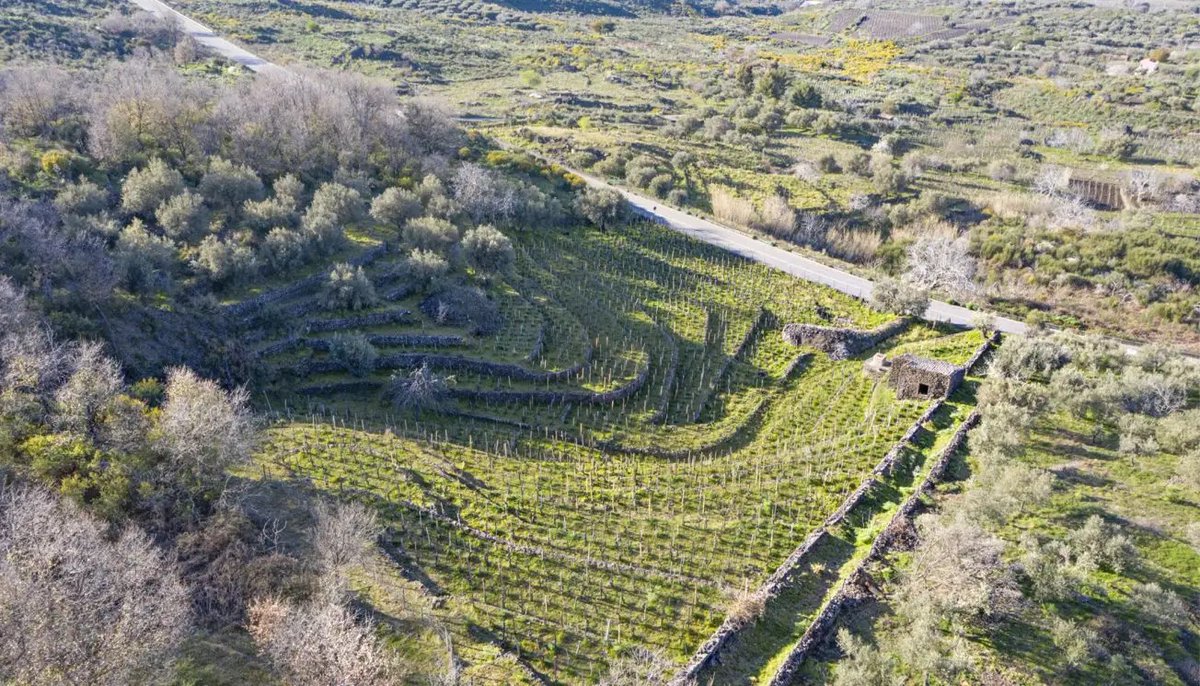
612,8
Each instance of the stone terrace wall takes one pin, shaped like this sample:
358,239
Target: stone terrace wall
709,653
845,597
246,308
841,343
784,575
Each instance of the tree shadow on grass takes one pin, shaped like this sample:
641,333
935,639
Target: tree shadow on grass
317,10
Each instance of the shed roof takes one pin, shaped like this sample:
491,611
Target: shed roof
926,364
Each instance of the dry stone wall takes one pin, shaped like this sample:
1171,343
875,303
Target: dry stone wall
250,307
842,343
846,597
710,652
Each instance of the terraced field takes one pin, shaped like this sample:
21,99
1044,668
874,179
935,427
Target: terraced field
635,442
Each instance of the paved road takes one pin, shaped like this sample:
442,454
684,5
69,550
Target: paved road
211,41
797,265
710,232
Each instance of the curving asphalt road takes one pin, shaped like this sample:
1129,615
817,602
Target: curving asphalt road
708,231
210,40
810,270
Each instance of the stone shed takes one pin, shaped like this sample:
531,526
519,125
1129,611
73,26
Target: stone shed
915,377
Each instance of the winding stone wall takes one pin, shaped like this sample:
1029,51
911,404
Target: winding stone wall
249,307
394,316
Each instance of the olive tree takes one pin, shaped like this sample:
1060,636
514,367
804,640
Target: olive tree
348,288
270,213
488,250
603,207
143,256
425,268
430,233
333,207
82,198
396,206
958,569
146,188
183,217
282,249
342,204
900,297
223,261
863,664
354,352
228,186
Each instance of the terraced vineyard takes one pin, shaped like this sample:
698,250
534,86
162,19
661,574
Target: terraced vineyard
634,443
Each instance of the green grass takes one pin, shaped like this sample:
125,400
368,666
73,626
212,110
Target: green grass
605,527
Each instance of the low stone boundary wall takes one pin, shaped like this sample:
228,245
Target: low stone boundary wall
709,653
841,343
342,387
417,340
558,397
324,345
818,631
465,364
664,403
435,361
988,344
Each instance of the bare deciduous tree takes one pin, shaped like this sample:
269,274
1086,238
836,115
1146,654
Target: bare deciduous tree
319,644
744,606
1052,180
75,608
203,429
34,99
431,124
936,263
144,107
422,389
484,195
94,382
343,536
638,667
